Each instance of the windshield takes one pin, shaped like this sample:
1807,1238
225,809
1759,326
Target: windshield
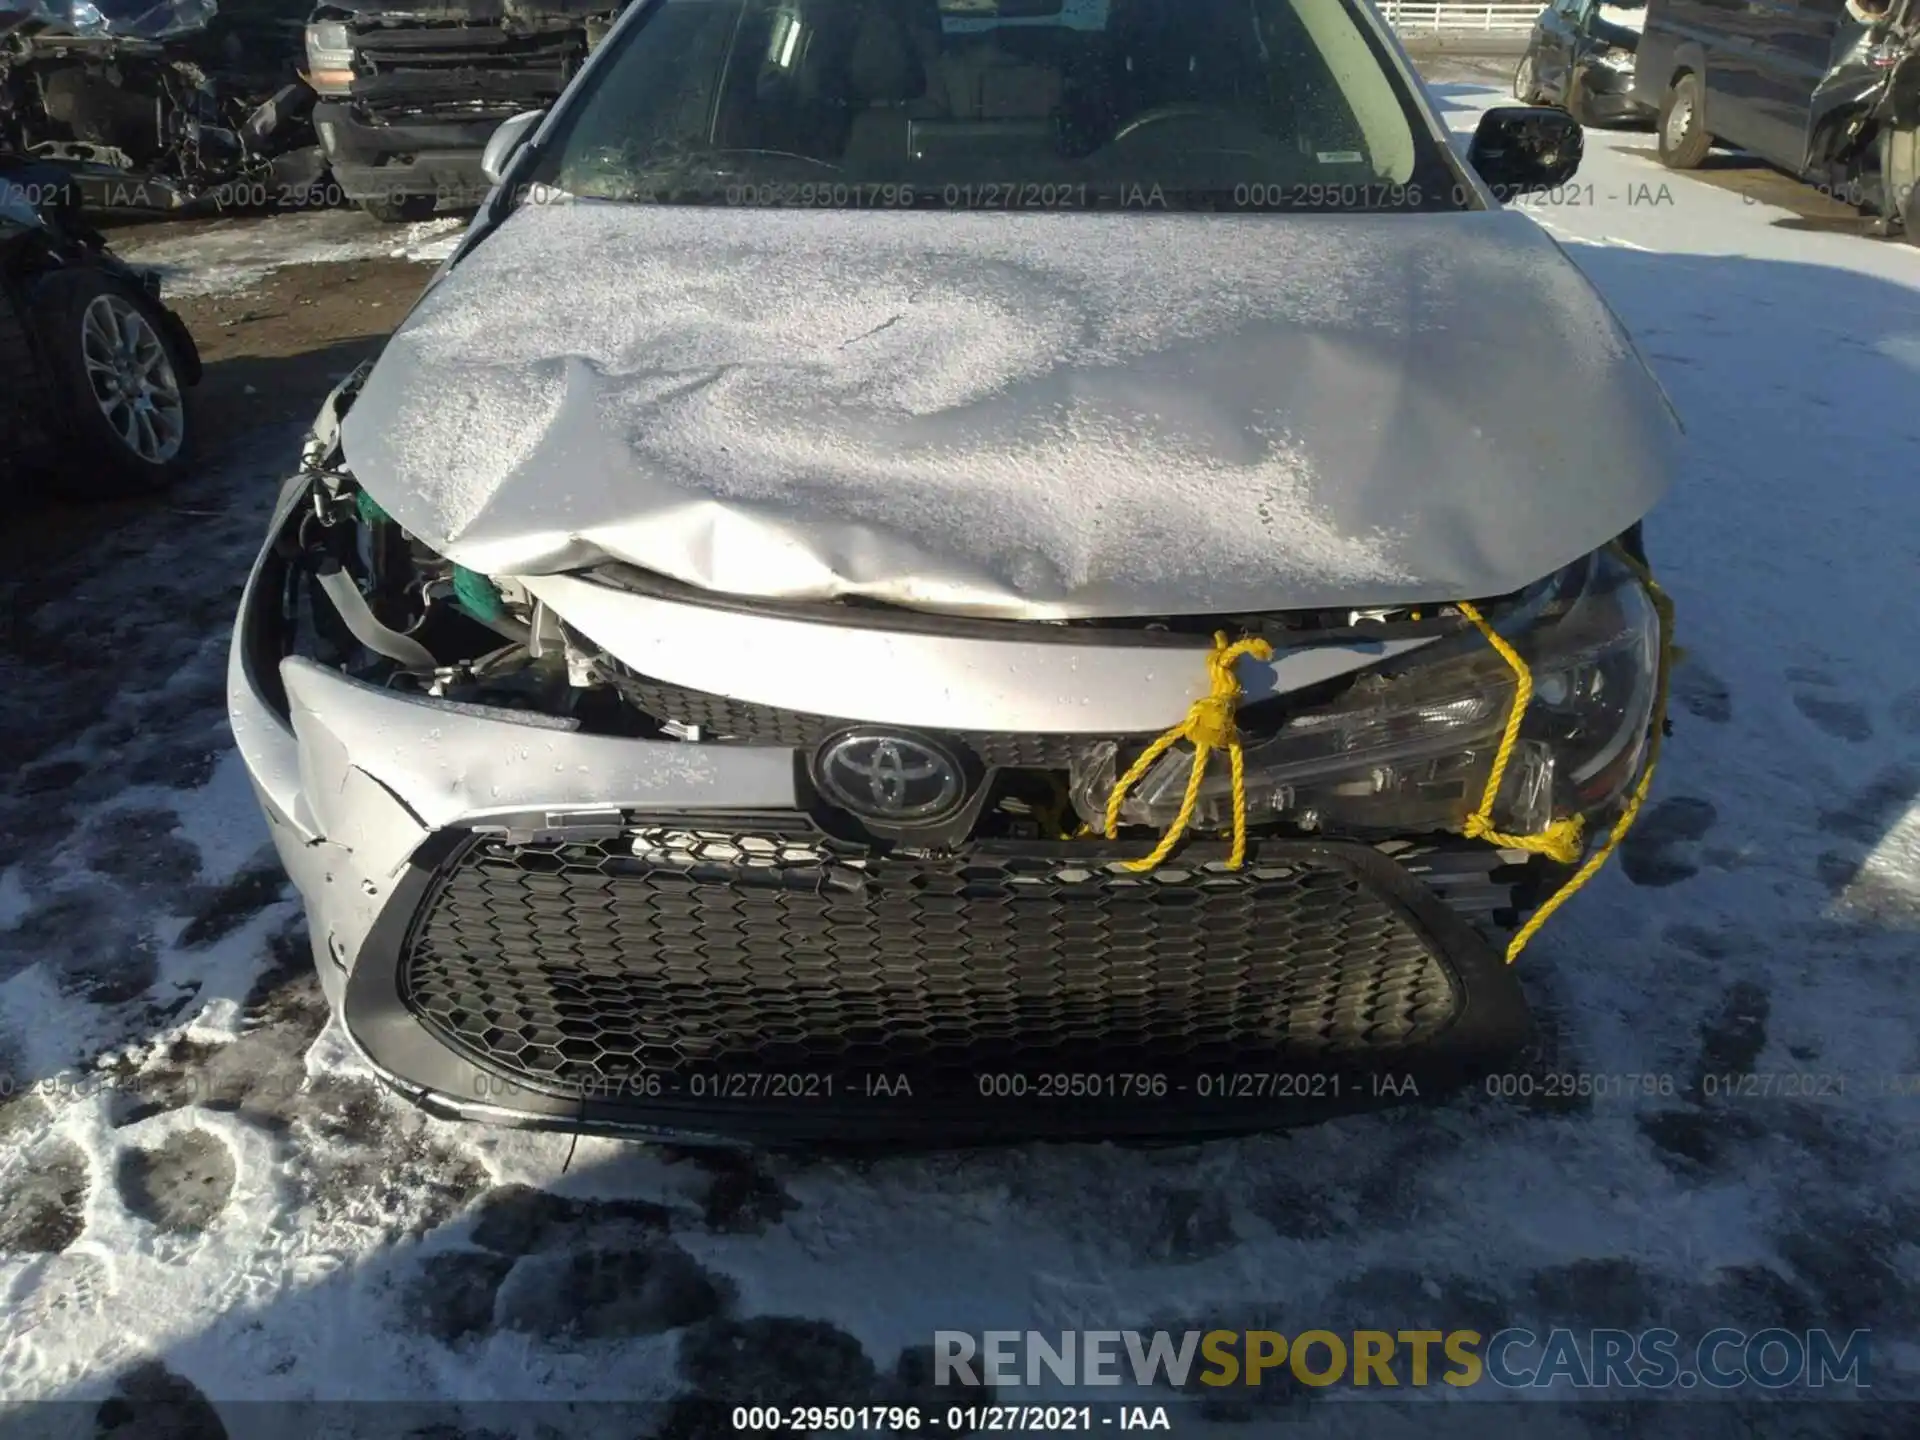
990,104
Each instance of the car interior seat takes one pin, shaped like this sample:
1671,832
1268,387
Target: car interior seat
1194,52
892,72
1007,73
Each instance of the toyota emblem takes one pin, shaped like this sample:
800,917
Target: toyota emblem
889,776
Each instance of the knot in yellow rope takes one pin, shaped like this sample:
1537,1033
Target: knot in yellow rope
1563,840
1209,726
1663,680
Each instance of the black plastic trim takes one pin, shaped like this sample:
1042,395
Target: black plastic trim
1490,1026
618,575
261,642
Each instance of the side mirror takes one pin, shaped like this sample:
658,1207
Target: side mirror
1522,148
510,135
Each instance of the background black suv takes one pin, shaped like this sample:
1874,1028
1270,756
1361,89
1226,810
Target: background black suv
1580,57
410,92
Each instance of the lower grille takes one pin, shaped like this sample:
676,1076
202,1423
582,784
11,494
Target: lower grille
652,971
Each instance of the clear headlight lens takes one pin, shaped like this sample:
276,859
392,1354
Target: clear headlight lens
329,57
1616,58
1409,750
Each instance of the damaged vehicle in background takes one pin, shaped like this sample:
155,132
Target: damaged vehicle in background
1829,93
1580,57
411,91
161,105
94,368
857,605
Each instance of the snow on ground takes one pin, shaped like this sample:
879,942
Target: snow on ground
228,256
205,1204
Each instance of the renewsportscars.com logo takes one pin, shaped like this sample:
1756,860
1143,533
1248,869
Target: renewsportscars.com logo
1513,1359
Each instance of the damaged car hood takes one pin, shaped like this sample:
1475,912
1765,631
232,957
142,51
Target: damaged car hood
1021,416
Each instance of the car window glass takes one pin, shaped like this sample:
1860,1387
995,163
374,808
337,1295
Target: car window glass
1251,103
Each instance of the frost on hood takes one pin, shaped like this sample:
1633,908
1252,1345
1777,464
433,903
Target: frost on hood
1031,416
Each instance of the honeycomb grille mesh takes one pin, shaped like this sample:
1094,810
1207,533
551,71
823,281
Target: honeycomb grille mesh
572,966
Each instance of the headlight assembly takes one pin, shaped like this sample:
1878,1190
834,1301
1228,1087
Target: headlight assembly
1408,749
329,57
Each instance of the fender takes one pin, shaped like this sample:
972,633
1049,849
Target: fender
59,254
64,240
1690,56
1652,85
147,282
1860,96
176,328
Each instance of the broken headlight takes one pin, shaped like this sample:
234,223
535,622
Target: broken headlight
1408,749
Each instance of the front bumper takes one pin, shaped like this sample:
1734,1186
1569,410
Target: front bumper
753,981
542,927
417,159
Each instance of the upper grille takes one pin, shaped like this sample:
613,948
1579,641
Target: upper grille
724,718
421,68
573,967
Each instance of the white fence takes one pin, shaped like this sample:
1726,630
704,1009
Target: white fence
1497,17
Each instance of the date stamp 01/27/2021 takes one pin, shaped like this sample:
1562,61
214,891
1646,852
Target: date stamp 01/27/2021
1191,1086
1201,1087
996,1086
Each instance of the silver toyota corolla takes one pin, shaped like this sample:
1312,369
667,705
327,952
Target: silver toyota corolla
960,568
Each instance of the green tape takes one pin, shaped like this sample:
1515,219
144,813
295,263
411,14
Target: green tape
472,591
476,594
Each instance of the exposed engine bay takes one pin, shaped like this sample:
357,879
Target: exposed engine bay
1381,750
159,105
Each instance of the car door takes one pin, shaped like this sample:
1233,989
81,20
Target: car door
1724,31
1580,44
1553,56
1793,49
1654,58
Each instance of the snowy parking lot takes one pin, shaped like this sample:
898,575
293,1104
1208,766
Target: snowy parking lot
204,1202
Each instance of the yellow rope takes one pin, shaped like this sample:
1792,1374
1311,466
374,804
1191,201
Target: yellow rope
1664,608
1209,726
1560,840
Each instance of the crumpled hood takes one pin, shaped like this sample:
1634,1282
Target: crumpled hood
1028,416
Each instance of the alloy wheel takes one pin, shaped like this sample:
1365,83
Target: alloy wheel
133,379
